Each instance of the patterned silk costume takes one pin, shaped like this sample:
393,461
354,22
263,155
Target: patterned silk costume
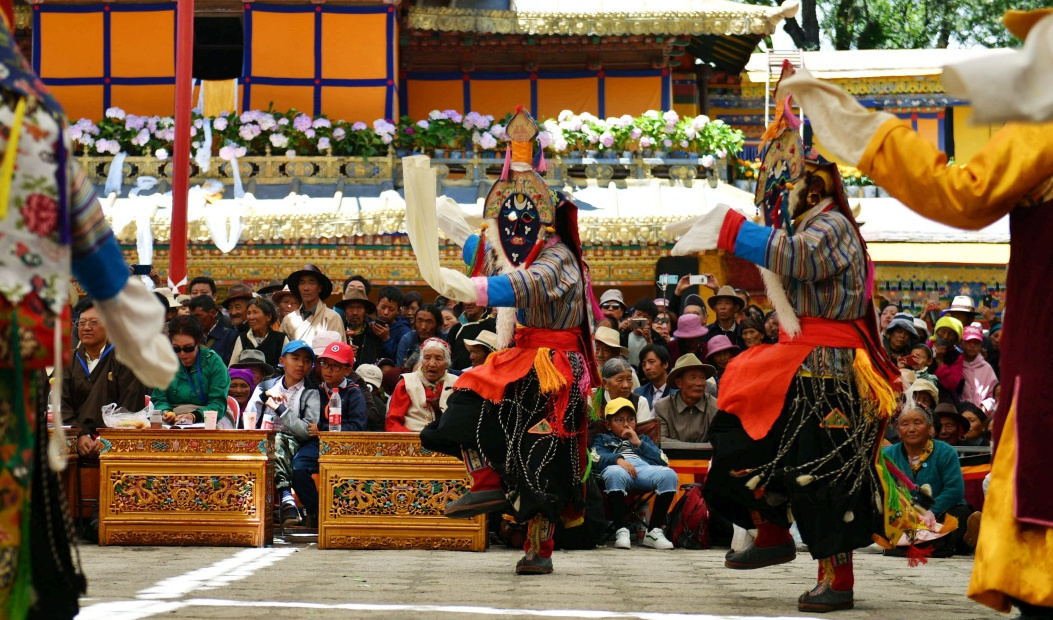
1012,174
519,420
50,218
800,424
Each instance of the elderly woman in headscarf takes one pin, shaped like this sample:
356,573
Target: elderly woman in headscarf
242,383
617,376
421,395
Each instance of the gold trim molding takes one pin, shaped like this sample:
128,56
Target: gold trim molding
758,21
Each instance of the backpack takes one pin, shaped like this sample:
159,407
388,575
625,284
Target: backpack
689,519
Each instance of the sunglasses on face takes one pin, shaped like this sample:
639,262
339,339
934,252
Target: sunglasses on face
187,349
610,306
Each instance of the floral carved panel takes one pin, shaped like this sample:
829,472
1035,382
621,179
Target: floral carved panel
352,497
138,493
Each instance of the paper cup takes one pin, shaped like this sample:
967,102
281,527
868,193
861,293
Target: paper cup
210,420
248,420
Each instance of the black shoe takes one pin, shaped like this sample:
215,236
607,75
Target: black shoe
533,564
823,599
290,515
475,503
759,557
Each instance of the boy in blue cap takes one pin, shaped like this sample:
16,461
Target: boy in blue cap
295,404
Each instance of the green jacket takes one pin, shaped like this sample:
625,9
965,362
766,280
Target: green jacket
209,390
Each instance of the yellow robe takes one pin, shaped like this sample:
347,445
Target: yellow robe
1015,169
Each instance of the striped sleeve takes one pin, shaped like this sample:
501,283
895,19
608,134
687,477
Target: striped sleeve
548,279
97,260
819,250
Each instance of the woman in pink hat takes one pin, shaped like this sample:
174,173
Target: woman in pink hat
689,336
718,353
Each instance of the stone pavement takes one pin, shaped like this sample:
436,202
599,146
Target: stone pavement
301,581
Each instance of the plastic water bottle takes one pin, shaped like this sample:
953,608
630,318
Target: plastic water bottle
335,411
268,421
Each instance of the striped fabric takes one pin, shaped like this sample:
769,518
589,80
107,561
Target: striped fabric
549,293
824,268
824,272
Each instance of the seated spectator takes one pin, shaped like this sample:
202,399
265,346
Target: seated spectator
688,414
952,424
476,320
358,326
719,352
236,303
948,363
412,302
962,308
888,312
631,463
617,376
923,393
922,328
286,303
94,378
479,349
665,324
979,379
934,463
608,346
201,383
899,338
373,378
752,331
217,338
693,304
976,434
259,333
449,319
725,304
640,331
270,288
242,383
771,327
295,404
753,311
171,305
690,337
993,348
612,304
359,282
422,394
922,356
335,363
253,360
425,326
654,360
389,325
204,286
312,288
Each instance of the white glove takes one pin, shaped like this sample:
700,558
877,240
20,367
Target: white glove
842,125
133,320
698,233
451,220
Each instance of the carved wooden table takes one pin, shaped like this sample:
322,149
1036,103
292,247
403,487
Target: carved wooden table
383,491
186,487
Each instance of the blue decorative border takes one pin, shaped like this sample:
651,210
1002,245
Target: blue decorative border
318,82
106,80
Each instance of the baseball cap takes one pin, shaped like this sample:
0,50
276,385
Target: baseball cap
296,345
617,405
371,374
339,352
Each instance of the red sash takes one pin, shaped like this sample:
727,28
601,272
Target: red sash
509,365
756,381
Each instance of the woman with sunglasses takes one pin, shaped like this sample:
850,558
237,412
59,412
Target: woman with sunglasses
202,381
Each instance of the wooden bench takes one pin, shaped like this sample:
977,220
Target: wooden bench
384,491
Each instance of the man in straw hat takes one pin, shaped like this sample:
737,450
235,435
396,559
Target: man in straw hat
1012,174
519,420
798,434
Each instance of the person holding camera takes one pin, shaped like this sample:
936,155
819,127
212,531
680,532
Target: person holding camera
638,331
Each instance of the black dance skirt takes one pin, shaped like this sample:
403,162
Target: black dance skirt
815,466
542,472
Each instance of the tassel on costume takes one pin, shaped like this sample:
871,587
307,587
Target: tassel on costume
918,555
549,379
873,387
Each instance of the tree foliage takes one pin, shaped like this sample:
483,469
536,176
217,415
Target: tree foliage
902,24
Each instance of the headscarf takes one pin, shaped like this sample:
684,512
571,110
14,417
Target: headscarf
245,375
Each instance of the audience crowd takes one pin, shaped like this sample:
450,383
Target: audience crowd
281,356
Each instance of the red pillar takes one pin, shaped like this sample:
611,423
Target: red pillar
181,157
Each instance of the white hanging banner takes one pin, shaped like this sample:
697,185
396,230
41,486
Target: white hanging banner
115,178
224,235
145,207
